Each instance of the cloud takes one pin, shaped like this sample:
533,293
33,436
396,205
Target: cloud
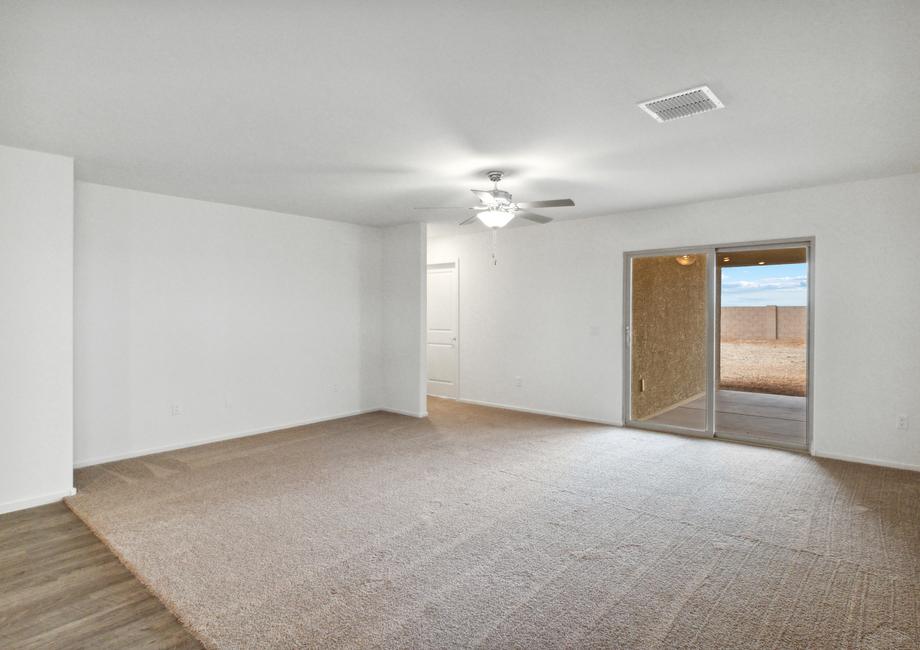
787,290
794,283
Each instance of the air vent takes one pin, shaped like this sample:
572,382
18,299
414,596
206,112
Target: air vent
682,104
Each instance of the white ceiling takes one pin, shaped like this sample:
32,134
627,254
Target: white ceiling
358,111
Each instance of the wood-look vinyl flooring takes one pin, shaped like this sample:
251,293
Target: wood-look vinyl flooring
62,588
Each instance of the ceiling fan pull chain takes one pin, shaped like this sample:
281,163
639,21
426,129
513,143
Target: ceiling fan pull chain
494,240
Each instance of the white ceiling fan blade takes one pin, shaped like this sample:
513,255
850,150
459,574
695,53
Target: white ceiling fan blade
478,208
468,221
530,216
553,203
485,196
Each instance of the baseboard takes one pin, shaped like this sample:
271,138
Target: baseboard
206,441
22,504
555,414
413,414
867,461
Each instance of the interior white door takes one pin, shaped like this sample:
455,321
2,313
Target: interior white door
442,329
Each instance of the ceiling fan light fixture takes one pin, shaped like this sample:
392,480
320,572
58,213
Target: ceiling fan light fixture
495,218
497,208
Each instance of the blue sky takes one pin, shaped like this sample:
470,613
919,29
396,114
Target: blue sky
750,286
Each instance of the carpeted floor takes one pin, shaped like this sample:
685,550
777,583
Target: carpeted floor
482,527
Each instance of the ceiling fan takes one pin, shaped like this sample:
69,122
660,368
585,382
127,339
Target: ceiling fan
497,208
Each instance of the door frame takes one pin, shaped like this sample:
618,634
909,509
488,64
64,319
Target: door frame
712,333
808,245
709,253
428,267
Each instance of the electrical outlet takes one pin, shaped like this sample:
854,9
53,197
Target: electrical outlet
175,409
517,381
903,423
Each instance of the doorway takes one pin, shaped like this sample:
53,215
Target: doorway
718,341
442,336
762,352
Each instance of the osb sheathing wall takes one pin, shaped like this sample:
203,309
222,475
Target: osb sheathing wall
668,333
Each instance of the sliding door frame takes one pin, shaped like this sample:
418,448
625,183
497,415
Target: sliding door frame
712,332
808,245
708,252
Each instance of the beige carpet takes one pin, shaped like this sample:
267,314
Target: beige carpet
488,528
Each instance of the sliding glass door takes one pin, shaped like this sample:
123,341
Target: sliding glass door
763,331
670,328
718,341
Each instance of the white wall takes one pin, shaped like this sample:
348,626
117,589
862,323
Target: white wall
36,328
245,320
404,313
552,310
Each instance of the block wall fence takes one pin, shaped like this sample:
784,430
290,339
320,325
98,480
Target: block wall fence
769,322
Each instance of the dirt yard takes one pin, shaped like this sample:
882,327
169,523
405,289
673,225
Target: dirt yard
776,367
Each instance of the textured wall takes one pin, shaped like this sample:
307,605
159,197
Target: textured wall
766,322
668,333
244,320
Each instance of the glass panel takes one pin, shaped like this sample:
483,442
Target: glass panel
763,337
669,340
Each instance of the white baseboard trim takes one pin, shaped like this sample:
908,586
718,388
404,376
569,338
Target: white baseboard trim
567,416
867,461
206,441
22,504
413,414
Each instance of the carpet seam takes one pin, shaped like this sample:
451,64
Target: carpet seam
496,625
166,602
868,569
